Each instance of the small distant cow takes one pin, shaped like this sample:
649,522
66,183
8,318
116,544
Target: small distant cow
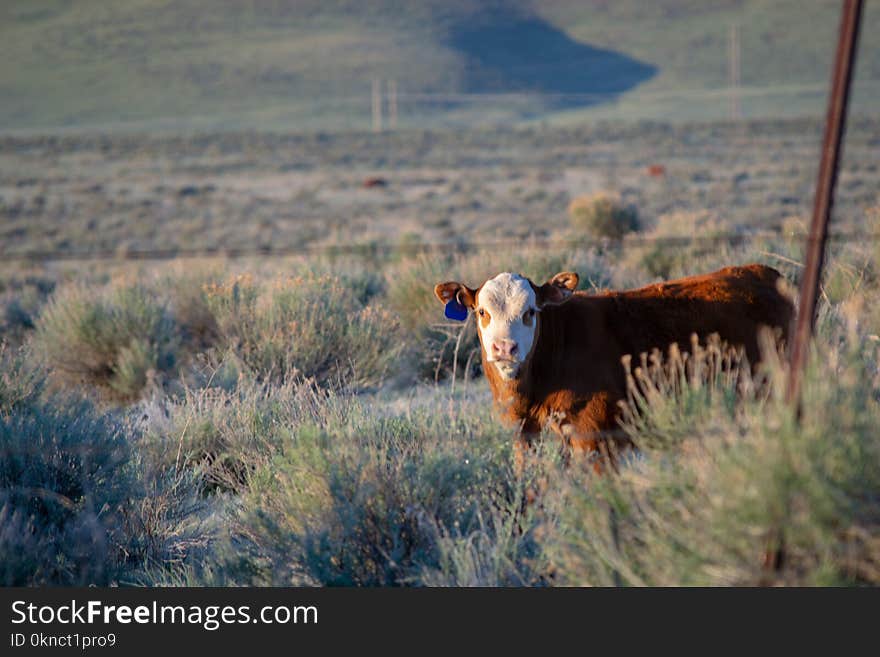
552,356
374,182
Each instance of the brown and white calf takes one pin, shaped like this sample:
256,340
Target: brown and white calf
552,356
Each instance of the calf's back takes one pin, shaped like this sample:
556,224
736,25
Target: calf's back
581,342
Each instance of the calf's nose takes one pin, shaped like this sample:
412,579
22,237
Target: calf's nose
504,348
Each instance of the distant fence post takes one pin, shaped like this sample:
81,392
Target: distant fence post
377,105
822,203
734,71
392,104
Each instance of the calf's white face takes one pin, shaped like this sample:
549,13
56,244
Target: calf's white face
507,308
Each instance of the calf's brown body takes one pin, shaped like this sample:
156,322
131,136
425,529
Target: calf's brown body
573,378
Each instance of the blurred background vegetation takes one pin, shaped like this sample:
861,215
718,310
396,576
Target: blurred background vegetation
309,64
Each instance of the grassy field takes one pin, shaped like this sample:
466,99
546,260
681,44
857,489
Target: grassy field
316,421
246,190
275,65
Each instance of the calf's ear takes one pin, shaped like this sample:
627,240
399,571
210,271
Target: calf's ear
557,289
452,291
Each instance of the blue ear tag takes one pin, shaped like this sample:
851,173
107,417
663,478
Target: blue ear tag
454,310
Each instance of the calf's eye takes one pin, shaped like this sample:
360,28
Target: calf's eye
528,316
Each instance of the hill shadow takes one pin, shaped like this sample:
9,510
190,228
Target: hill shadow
508,51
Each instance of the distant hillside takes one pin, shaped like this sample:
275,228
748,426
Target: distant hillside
309,63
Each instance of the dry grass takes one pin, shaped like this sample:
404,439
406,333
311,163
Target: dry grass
292,422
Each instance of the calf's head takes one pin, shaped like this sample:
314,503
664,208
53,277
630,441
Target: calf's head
508,309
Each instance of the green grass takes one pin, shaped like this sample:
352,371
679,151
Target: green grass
194,64
358,499
78,505
310,327
231,477
127,340
121,341
735,492
303,420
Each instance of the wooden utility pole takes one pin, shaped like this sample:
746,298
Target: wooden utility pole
824,199
734,72
392,104
377,105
